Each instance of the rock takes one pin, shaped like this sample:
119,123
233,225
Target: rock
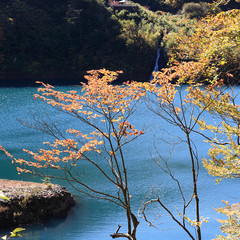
32,202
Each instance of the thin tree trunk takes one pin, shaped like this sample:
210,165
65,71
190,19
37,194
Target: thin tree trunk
195,188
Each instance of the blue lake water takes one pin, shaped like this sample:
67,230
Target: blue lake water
93,219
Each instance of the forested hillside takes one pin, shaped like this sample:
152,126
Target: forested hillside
175,6
59,40
63,39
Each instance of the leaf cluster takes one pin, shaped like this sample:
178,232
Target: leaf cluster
230,226
212,51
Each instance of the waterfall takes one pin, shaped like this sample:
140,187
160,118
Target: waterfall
157,59
156,68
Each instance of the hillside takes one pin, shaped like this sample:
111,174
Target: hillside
58,41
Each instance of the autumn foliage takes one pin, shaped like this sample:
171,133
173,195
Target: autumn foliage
211,55
100,102
105,109
211,52
230,226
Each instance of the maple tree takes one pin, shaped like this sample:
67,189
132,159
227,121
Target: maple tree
217,57
224,152
105,109
210,55
170,102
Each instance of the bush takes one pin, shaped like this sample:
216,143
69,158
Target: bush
196,10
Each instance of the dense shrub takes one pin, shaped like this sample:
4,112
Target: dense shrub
196,10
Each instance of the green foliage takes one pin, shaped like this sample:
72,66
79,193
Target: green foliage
2,196
144,29
174,25
46,180
14,233
197,10
32,36
140,28
172,6
63,39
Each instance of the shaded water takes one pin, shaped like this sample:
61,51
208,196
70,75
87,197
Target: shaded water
93,219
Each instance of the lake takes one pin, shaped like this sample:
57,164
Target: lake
93,219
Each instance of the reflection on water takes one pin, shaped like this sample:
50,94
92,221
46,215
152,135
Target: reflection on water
92,219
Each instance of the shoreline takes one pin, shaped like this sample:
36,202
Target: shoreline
32,202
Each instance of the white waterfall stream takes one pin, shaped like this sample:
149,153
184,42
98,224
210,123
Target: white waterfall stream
156,68
157,59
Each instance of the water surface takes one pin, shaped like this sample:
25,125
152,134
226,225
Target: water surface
93,219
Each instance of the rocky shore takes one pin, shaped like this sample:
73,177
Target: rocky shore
32,202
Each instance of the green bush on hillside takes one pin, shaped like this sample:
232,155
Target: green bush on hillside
197,10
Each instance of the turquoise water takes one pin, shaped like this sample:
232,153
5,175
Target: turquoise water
93,219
